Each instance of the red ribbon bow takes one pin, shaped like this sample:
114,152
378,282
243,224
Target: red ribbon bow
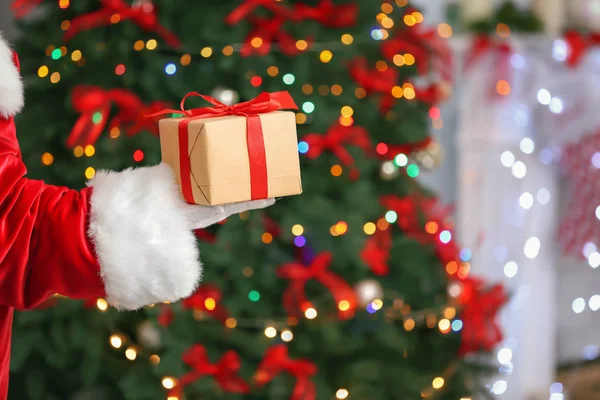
480,330
376,252
579,44
294,298
94,104
224,372
335,139
143,15
328,14
198,301
277,361
22,8
263,103
245,9
374,81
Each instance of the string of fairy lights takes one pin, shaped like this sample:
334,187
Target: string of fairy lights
444,318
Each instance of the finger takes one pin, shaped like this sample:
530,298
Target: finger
237,208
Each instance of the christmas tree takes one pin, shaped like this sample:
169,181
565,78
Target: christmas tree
355,289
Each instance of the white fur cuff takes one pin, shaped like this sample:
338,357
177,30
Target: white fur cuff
11,87
146,248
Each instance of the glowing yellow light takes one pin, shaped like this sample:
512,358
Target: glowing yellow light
169,382
267,238
131,353
431,227
230,323
185,60
377,304
138,45
387,8
287,335
206,52
297,230
344,305
336,170
102,304
228,50
410,20
398,60
301,118
43,71
445,31
381,66
418,17
450,312
66,24
307,89
341,228
323,90
76,55
369,228
151,44
452,267
210,303
90,150
347,111
438,383
360,93
55,77
464,270
310,313
172,398
256,42
409,325
301,44
503,88
444,325
272,70
90,172
244,215
503,30
465,398
397,92
409,59
248,272
385,34
115,18
431,321
401,3
387,23
270,332
116,341
409,93
115,132
382,224
326,56
336,90
347,38
154,359
47,158
78,151
341,394
63,3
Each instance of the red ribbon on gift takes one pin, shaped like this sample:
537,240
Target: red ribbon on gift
579,45
374,81
143,15
224,372
94,105
198,301
376,252
334,140
277,361
263,103
502,66
480,331
294,298
22,8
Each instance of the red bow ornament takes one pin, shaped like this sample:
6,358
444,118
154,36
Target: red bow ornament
334,140
94,105
22,8
579,45
328,14
248,7
208,299
270,31
144,15
277,361
374,81
262,104
224,372
294,298
376,252
480,330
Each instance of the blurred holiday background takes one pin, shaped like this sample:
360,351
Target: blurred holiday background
445,243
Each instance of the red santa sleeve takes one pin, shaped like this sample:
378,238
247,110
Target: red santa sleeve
126,236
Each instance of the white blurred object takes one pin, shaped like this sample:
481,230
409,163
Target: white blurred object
476,10
585,13
552,13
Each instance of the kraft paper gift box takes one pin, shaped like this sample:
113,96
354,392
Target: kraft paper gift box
219,165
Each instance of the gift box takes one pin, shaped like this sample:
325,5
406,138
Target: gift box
226,154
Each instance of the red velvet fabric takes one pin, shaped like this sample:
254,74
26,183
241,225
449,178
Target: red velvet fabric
44,248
